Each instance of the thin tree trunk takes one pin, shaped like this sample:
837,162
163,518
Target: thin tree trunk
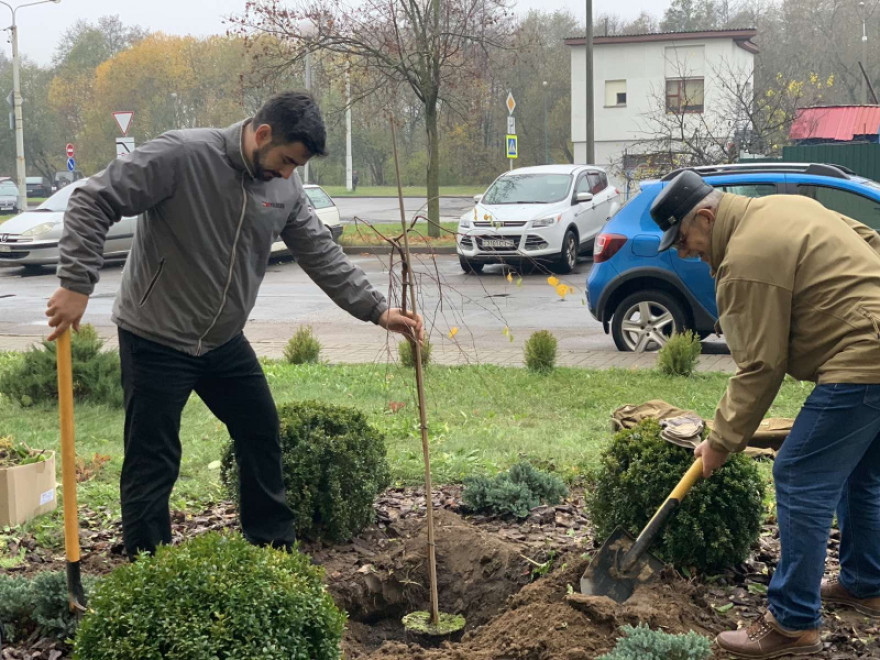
433,180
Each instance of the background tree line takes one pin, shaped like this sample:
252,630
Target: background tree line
175,82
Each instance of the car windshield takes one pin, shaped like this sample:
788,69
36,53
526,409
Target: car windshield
8,189
528,189
58,201
318,198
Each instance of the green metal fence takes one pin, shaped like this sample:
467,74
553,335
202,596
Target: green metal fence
863,158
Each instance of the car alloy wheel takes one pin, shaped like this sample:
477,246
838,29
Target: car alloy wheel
568,255
645,320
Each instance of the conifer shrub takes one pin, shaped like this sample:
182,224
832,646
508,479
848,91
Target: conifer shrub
540,351
515,492
303,347
215,596
334,465
678,357
37,606
33,378
642,643
718,520
407,353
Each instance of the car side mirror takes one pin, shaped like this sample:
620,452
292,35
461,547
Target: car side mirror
477,199
583,197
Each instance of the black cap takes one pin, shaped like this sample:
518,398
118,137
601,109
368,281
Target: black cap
675,201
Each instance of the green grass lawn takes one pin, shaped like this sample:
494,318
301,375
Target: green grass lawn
482,419
412,191
360,234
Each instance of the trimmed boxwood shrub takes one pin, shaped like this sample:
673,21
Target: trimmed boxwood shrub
716,523
216,596
334,466
33,378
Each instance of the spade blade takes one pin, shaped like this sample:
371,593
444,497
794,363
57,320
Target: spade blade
604,576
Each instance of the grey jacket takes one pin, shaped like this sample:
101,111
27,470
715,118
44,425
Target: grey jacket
202,241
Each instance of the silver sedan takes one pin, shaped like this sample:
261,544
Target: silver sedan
31,238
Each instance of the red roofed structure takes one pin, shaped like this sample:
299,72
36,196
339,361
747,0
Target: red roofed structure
836,123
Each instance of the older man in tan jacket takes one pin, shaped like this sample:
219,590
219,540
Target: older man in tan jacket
798,291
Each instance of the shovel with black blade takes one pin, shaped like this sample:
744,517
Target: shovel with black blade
623,562
75,594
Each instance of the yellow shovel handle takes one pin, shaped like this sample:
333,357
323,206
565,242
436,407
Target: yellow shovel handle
68,450
688,480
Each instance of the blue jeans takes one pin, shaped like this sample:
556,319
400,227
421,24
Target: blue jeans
830,461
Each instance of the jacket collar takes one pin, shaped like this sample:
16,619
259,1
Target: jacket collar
232,136
731,209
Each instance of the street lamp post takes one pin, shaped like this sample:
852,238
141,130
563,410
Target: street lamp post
546,150
307,29
20,170
590,142
864,55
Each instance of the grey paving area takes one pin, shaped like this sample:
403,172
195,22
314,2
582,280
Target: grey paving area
486,311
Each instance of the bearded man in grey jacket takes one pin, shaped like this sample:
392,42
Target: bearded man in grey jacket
211,202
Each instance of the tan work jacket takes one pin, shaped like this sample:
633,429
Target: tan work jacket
798,291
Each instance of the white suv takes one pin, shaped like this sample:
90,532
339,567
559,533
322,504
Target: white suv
544,213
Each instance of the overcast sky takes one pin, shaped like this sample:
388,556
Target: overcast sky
40,27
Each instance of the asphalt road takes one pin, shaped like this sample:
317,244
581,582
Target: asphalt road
492,316
481,307
387,209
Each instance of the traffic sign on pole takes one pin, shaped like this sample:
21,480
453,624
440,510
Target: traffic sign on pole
124,146
123,120
71,164
510,103
512,147
69,150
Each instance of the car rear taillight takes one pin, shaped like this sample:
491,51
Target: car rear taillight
607,245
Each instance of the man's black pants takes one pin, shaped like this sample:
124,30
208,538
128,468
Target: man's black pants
157,382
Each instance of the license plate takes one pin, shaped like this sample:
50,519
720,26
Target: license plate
497,243
5,248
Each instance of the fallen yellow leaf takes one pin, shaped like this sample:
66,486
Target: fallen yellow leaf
552,281
453,332
510,277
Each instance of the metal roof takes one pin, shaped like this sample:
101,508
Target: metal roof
837,122
741,36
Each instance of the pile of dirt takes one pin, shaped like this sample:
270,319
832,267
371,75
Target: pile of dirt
516,582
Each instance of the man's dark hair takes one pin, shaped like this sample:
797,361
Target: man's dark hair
294,117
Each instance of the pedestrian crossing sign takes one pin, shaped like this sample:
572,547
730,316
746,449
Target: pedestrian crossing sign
511,146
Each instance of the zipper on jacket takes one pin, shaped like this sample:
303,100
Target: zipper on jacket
231,266
153,281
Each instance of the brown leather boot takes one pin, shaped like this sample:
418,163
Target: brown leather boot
833,592
765,639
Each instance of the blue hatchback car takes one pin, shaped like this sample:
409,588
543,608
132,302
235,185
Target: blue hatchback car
642,296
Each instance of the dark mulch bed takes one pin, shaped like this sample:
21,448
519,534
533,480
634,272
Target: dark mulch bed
512,580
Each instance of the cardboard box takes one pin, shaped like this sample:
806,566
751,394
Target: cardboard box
27,491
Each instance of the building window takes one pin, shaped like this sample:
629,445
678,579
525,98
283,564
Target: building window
684,95
615,93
